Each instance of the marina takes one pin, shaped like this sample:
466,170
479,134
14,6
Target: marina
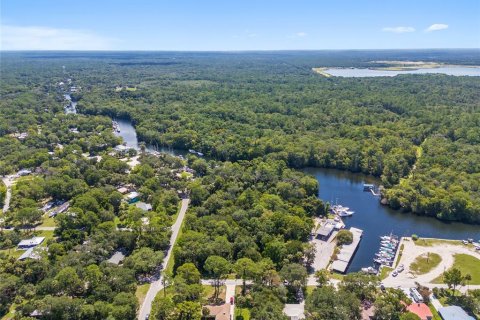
377,220
347,252
388,249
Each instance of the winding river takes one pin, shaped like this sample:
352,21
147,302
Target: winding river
129,135
370,216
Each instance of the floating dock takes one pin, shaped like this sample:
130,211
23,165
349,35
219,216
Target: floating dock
347,252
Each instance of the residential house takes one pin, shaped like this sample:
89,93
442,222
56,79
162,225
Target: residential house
454,313
421,310
221,312
30,243
144,206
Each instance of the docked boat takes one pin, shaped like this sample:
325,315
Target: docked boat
192,151
200,154
342,211
370,270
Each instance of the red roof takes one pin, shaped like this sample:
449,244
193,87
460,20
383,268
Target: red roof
421,310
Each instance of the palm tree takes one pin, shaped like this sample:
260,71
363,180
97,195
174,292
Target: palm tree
467,278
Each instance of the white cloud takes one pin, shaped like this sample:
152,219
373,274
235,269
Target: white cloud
301,34
436,27
47,38
399,29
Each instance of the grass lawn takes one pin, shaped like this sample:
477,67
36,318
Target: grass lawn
467,264
337,276
208,292
425,263
310,290
432,242
141,292
48,221
44,233
242,313
435,314
385,272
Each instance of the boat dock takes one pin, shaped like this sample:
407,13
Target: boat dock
347,252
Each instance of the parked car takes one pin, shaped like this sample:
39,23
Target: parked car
394,273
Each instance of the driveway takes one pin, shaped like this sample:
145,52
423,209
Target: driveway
8,181
156,286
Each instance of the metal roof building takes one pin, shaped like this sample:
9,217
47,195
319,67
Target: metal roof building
454,313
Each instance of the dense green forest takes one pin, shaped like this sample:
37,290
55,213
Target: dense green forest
258,117
246,106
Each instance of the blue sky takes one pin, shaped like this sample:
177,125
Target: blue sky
238,25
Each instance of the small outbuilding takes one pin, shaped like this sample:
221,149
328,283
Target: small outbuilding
116,258
295,311
144,206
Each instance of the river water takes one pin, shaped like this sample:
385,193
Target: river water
129,135
377,220
346,188
364,72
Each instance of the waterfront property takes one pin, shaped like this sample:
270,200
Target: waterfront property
376,219
347,252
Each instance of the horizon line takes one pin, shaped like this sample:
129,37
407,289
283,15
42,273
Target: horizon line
233,50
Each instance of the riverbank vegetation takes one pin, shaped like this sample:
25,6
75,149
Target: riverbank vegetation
240,107
257,117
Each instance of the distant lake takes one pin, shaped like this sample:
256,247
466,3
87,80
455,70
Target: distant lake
363,72
377,220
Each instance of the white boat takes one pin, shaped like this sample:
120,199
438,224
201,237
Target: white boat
370,270
345,213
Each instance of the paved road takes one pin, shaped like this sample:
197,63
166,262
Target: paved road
156,286
324,251
436,304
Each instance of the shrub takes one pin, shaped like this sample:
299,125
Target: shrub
344,237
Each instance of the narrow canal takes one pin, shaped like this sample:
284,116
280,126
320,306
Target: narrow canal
377,220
